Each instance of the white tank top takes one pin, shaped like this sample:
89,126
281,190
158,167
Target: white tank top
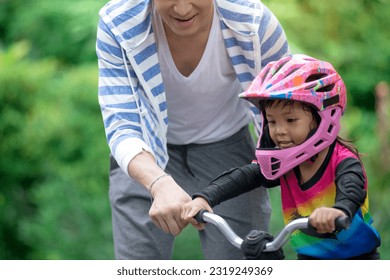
203,107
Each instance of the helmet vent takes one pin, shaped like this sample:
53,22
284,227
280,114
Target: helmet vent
292,71
275,163
315,77
301,154
266,73
280,67
318,143
326,88
275,166
330,129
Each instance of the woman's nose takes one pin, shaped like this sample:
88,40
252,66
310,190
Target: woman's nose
182,7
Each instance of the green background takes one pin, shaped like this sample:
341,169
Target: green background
54,156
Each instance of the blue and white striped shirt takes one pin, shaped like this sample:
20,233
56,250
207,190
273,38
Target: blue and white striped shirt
131,91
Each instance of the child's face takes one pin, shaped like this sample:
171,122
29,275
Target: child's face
289,125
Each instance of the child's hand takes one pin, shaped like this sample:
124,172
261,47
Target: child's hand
190,209
323,219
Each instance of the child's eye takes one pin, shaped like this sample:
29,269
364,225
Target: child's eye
291,120
271,122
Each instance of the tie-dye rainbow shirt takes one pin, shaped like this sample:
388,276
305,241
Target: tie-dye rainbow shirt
359,239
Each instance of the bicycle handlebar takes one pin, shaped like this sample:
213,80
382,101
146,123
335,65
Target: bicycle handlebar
204,216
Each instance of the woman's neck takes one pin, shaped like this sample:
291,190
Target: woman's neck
187,51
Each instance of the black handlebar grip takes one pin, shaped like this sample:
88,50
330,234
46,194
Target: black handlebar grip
199,216
342,222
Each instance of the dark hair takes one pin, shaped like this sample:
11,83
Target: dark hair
267,103
350,146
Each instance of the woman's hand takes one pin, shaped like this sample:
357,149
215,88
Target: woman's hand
168,198
323,219
190,209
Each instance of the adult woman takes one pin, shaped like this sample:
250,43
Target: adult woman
192,57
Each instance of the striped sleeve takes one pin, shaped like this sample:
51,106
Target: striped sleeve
273,40
117,101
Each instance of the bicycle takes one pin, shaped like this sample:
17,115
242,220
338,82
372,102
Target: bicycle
279,240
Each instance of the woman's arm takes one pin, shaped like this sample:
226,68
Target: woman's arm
121,118
117,100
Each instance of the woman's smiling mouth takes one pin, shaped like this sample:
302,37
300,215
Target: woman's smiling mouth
184,19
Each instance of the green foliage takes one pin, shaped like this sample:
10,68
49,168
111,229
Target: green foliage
361,127
54,158
53,193
64,29
187,245
352,35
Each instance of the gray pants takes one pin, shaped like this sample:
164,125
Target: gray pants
192,167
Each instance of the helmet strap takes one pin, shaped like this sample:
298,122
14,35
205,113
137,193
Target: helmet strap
313,158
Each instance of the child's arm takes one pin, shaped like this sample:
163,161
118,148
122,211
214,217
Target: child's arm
350,182
233,183
350,196
229,184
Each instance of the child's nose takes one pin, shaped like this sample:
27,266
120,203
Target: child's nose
280,130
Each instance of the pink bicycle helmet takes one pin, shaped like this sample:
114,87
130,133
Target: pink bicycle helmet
298,78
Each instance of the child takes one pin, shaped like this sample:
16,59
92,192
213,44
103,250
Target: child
321,175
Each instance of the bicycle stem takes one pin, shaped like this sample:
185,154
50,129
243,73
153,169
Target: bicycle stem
284,235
